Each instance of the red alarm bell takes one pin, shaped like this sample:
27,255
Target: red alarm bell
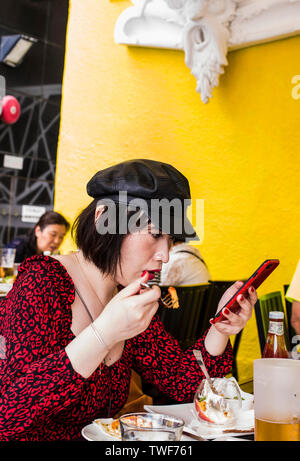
10,110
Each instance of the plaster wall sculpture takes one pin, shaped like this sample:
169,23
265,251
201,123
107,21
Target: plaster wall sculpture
206,30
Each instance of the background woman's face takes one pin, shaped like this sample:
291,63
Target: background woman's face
142,251
50,238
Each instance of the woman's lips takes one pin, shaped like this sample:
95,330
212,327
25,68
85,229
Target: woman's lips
152,274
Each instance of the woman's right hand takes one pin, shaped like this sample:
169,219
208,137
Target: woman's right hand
129,313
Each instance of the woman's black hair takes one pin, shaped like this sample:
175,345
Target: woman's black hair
48,218
103,249
176,240
52,217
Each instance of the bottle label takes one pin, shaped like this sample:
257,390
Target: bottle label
276,328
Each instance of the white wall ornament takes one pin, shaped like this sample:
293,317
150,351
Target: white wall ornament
206,30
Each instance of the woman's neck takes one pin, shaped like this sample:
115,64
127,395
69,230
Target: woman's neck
103,285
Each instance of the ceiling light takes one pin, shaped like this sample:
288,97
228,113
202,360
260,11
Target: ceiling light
13,48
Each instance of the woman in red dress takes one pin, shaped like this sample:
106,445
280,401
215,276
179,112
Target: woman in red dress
73,327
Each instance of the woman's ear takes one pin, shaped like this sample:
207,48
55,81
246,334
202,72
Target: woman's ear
37,231
98,212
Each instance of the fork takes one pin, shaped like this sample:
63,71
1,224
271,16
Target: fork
199,358
166,301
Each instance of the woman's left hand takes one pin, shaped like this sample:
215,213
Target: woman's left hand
235,322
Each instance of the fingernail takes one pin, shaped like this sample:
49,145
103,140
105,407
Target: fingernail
241,297
144,273
226,311
252,289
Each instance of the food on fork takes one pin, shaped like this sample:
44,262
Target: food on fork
170,301
174,297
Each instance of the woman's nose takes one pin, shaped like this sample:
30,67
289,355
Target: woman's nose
162,254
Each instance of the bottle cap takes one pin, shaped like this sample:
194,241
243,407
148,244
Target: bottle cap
276,315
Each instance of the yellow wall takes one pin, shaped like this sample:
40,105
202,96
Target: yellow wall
240,151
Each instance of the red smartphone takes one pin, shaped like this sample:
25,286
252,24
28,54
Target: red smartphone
255,281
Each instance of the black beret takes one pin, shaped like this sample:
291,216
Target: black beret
147,180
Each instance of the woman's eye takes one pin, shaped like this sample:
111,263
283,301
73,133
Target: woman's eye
156,235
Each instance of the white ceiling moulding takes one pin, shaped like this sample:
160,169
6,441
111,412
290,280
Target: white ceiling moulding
206,30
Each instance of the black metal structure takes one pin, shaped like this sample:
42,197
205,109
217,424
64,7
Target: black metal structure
36,83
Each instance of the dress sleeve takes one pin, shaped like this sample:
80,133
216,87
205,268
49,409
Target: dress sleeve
159,359
37,379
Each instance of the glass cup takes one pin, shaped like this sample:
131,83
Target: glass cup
277,399
16,270
150,427
7,259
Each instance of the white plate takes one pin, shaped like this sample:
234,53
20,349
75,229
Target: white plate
94,433
245,419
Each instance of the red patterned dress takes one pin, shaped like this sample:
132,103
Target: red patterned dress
41,396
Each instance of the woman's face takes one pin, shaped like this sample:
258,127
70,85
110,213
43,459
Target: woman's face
144,250
50,238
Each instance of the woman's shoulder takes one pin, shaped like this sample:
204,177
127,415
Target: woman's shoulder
183,249
46,270
16,242
40,300
41,263
20,244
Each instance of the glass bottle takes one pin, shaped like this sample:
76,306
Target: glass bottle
275,343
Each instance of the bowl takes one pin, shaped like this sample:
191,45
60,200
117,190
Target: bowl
221,409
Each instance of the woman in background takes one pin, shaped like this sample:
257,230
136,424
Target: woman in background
185,266
47,235
293,295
